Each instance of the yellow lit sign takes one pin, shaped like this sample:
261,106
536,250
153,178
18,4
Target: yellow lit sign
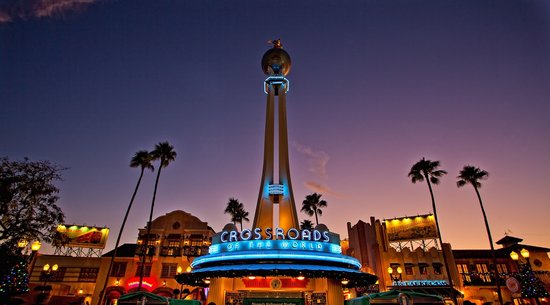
84,236
409,228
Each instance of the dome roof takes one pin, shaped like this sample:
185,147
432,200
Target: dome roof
230,227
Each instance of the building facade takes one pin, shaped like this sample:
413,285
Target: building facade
404,255
67,279
518,278
176,239
382,247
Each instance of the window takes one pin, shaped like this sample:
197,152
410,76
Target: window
173,243
423,268
119,269
437,268
483,272
463,270
169,270
146,270
502,268
88,274
409,269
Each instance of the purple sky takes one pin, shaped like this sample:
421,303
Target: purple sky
375,86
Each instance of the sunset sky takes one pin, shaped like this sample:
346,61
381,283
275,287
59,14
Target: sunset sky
375,86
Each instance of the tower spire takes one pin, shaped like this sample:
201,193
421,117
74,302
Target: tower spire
276,65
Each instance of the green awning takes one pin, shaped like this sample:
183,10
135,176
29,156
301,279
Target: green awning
390,297
132,298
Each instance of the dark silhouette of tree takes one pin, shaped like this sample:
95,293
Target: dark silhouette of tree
164,152
28,198
143,160
473,175
242,215
429,170
28,211
312,206
232,208
306,224
235,208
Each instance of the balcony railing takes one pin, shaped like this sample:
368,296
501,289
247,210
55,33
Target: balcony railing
195,250
481,279
140,250
170,251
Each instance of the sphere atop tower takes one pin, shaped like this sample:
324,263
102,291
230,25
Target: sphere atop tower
276,61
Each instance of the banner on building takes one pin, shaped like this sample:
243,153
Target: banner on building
411,228
83,236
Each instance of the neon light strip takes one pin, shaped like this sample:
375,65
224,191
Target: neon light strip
282,244
254,267
135,284
276,189
277,80
277,255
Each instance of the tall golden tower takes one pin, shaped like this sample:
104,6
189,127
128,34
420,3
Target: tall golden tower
276,190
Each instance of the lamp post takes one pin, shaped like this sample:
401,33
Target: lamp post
180,271
35,246
48,273
395,276
525,255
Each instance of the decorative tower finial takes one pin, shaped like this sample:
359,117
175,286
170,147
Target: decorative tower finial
276,43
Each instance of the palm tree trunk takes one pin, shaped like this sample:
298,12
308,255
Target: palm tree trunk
102,292
497,275
316,218
149,227
445,261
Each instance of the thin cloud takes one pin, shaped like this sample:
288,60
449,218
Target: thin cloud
27,9
322,189
317,187
317,159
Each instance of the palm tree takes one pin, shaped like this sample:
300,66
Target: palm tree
141,159
165,153
472,175
428,170
232,209
312,206
241,215
306,225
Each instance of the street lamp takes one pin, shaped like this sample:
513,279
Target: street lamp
35,246
48,273
22,244
396,277
525,254
514,255
180,271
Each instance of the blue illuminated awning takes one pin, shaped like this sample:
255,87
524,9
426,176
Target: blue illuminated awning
254,267
240,258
